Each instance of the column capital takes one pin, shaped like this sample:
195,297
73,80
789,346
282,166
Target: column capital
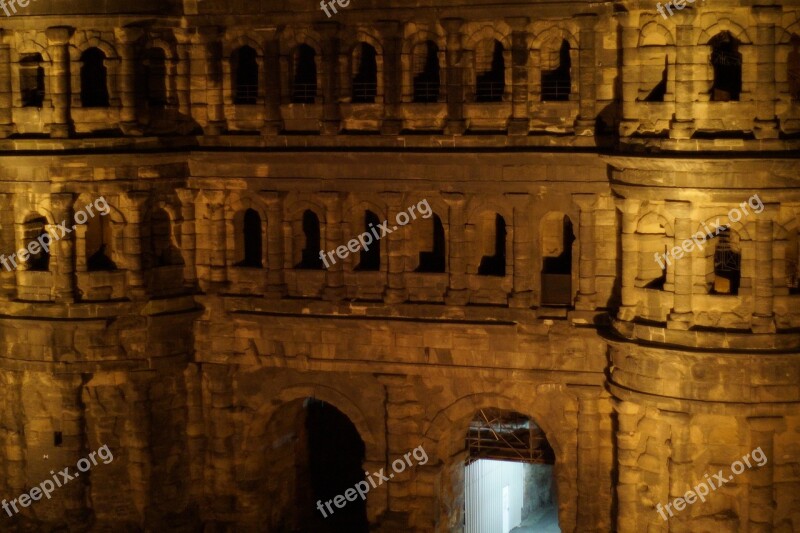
452,25
327,29
453,199
59,34
268,33
766,424
586,21
587,201
272,198
187,196
517,199
518,24
137,198
766,15
207,34
390,28
685,17
60,202
392,198
128,34
679,208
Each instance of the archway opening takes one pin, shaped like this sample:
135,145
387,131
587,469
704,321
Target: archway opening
315,456
508,476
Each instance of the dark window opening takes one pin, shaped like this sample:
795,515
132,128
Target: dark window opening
94,85
31,80
427,81
33,230
365,82
162,250
793,68
660,90
495,265
251,240
727,63
370,259
490,82
557,271
304,83
433,261
310,258
658,283
244,70
557,83
156,75
727,265
58,438
98,240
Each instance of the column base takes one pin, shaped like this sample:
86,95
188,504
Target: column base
585,302
680,321
682,129
59,131
131,128
455,127
333,294
6,130
766,129
276,292
584,127
392,126
763,324
395,296
519,126
272,127
628,126
521,300
626,313
456,297
214,128
330,127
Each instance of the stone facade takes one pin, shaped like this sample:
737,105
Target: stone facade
230,139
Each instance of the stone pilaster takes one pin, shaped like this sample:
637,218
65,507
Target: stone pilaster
587,293
334,275
682,315
588,458
217,237
631,71
585,123
331,116
276,285
208,48
188,235
393,77
519,124
183,73
763,320
396,291
681,474
273,124
456,125
630,258
457,291
683,125
6,116
58,41
134,211
766,123
629,439
762,478
523,245
63,273
126,39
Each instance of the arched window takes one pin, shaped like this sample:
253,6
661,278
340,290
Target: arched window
727,265
490,68
31,80
426,72
727,63
156,65
365,81
433,260
94,87
250,250
557,261
793,68
304,81
244,74
494,263
557,82
370,259
162,250
98,244
33,229
310,258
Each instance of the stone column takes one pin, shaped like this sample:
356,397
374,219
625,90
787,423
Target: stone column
276,286
393,77
396,287
681,474
630,258
683,125
183,73
682,314
273,124
58,39
457,291
134,211
64,271
188,235
334,275
209,48
587,72
588,457
126,37
630,72
523,245
762,478
6,116
331,117
766,123
456,125
629,478
763,320
585,299
519,124
217,245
